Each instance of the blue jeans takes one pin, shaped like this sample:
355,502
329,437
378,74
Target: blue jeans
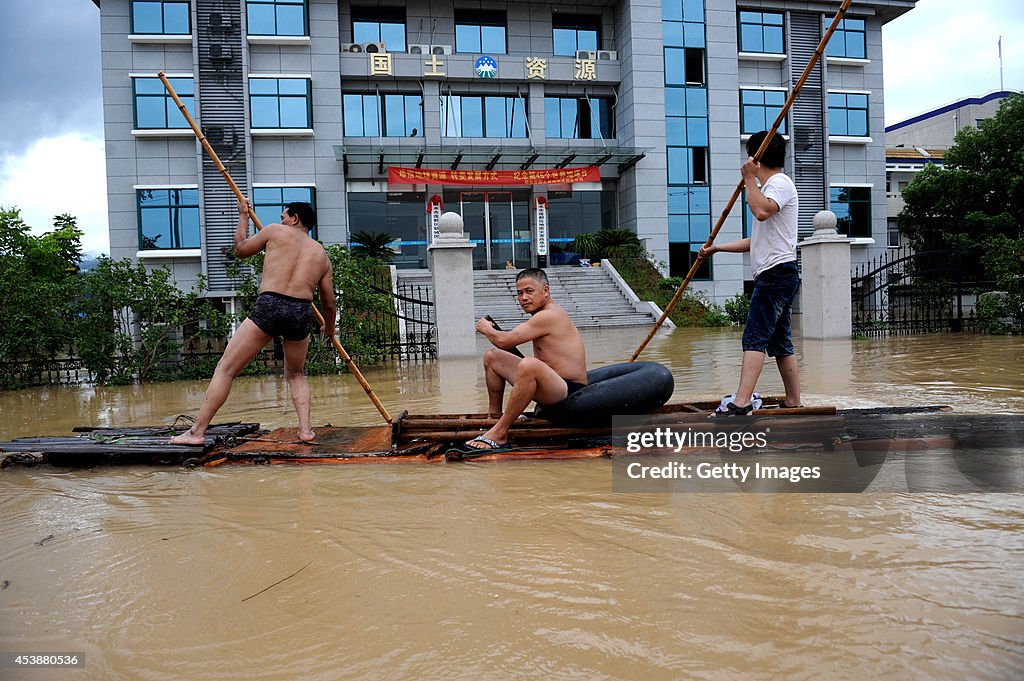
769,321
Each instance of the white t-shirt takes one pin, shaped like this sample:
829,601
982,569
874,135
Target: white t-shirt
773,241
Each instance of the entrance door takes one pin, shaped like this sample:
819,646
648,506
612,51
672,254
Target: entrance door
496,223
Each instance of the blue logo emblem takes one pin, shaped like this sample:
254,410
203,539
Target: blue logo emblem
486,67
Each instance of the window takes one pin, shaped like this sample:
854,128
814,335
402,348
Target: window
848,114
268,202
154,108
379,25
576,212
761,32
277,17
156,17
748,217
759,109
168,218
400,115
578,118
849,40
684,66
682,23
572,32
686,122
403,215
852,206
893,233
280,103
465,116
479,32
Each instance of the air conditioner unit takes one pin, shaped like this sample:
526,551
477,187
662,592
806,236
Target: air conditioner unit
375,47
419,49
220,52
586,54
440,49
351,47
610,55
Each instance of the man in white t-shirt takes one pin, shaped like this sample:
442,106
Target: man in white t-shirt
771,196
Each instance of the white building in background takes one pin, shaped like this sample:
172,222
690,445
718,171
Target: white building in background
918,141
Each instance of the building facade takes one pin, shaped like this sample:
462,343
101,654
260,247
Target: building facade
924,139
536,121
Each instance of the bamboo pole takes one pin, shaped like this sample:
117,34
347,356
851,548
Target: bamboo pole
818,52
256,221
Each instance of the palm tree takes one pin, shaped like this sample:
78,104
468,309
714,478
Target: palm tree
619,243
367,245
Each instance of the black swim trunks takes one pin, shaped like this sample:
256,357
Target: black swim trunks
573,386
279,315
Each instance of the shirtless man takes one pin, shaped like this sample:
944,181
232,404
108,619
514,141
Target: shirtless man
295,265
557,369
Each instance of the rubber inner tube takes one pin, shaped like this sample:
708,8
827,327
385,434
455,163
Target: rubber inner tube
629,388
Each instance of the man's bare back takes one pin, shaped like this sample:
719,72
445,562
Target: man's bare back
294,263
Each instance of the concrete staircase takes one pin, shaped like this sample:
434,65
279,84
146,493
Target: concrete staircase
592,296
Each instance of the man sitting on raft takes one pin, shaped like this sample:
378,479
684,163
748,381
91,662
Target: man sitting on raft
557,369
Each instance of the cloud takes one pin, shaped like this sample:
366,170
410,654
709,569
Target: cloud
938,53
51,80
55,175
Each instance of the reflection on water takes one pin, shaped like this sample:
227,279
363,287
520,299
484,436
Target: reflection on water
513,570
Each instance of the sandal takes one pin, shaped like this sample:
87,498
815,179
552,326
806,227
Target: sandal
732,410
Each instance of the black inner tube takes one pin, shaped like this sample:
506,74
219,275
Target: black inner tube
628,388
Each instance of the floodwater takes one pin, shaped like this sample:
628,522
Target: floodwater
515,570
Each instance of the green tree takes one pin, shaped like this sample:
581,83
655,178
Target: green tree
978,194
39,287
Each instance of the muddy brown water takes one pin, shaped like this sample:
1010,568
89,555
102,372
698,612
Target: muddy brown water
511,570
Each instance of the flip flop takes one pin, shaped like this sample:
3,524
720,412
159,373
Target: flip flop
465,450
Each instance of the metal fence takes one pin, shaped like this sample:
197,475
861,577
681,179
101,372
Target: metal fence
907,292
408,330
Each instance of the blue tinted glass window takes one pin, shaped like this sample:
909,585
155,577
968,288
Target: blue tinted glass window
371,115
675,131
672,10
852,206
675,101
696,101
671,34
480,32
849,39
166,17
693,35
154,107
564,41
280,103
572,32
276,17
269,202
380,25
848,114
679,165
759,109
168,218
464,116
761,32
693,10
675,66
472,117
578,118
697,131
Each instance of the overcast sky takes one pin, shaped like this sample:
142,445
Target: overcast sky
51,139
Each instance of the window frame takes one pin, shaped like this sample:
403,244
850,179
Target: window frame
163,16
381,16
510,119
169,207
178,83
765,108
841,37
576,23
276,4
834,202
740,23
259,202
479,19
382,113
836,112
593,119
308,96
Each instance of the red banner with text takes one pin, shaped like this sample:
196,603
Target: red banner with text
398,175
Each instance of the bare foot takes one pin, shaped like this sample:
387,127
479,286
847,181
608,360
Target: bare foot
309,437
188,438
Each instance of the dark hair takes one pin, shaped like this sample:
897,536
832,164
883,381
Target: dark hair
304,212
535,273
775,155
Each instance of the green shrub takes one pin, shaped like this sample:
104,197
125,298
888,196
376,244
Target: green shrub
737,308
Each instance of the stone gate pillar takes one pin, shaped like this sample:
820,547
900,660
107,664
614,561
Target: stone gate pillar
825,281
451,269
